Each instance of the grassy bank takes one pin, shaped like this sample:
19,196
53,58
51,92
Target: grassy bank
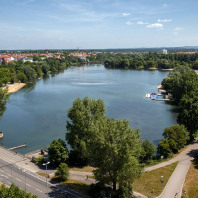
150,182
190,189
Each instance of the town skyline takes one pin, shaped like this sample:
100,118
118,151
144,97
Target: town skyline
104,24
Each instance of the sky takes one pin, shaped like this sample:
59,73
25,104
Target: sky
97,24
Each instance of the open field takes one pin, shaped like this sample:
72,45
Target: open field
190,189
150,182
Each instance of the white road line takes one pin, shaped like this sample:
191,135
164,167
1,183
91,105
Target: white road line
28,185
1,171
9,175
9,183
4,176
18,179
38,190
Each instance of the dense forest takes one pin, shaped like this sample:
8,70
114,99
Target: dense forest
151,60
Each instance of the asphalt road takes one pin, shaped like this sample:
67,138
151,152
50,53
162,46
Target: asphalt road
31,182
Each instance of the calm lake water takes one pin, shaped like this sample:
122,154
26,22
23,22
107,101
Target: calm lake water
38,115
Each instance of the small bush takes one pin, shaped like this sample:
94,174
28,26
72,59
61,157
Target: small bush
39,160
62,171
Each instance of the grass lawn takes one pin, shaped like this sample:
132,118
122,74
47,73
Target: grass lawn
150,182
83,169
43,174
190,189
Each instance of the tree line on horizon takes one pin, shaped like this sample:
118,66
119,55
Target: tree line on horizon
151,60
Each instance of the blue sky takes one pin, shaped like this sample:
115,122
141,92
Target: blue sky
68,24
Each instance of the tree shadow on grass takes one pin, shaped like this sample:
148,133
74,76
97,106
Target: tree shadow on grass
195,161
194,154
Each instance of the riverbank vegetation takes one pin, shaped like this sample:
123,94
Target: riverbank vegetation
150,60
175,138
182,84
19,71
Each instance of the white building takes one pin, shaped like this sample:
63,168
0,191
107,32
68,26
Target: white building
164,51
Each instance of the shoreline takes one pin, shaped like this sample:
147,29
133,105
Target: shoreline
12,88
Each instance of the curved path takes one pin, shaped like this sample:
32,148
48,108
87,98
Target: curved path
173,188
175,183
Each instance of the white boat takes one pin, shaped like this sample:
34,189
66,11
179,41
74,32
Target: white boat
1,134
148,95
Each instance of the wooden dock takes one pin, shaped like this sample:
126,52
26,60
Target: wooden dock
16,147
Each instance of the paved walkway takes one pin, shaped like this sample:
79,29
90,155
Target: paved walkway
18,159
175,183
179,157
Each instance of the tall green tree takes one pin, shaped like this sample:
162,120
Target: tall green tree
175,138
115,150
188,113
58,152
62,171
180,82
148,151
82,114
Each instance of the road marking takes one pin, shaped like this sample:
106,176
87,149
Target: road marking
9,183
1,171
38,190
28,185
4,176
14,163
18,179
9,175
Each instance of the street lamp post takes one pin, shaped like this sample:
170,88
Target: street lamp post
11,172
45,164
25,179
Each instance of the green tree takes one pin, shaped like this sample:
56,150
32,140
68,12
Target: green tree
180,82
82,115
58,152
148,151
188,113
62,171
164,149
14,192
115,150
175,138
195,66
22,77
178,134
2,103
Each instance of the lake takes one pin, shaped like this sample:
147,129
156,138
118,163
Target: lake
37,115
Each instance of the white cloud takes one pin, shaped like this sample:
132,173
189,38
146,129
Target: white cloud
155,25
141,23
129,23
177,30
126,14
165,5
164,20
